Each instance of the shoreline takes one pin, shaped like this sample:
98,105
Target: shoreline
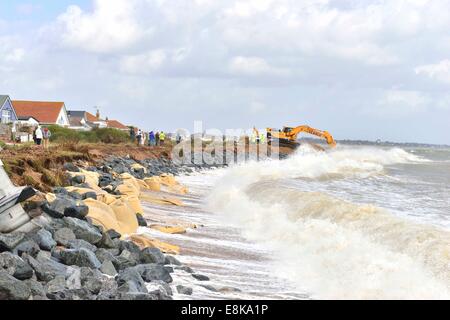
73,253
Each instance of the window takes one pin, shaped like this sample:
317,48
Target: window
6,116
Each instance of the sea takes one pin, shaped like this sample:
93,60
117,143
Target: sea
354,222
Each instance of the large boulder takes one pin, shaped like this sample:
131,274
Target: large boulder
63,236
152,255
12,289
9,241
15,266
130,281
80,243
45,240
80,257
46,269
83,230
65,205
153,272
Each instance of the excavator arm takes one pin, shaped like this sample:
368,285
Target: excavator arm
288,136
292,134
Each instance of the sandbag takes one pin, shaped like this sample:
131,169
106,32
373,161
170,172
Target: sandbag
153,183
145,242
128,179
169,229
135,203
128,190
102,215
137,166
125,215
107,198
91,178
158,199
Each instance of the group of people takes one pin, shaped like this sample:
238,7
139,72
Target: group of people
41,136
152,138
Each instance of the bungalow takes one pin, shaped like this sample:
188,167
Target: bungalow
117,125
7,112
83,120
46,113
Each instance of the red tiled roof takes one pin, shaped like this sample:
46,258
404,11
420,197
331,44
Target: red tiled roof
91,118
116,125
44,112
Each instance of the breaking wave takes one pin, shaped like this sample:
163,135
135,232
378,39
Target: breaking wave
331,247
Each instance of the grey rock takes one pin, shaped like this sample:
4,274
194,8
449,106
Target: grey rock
9,241
80,243
57,207
107,242
113,234
152,255
78,179
12,289
184,290
108,268
153,272
63,236
83,230
130,246
46,270
71,167
45,240
37,289
71,294
172,261
185,269
208,287
125,260
130,280
75,195
78,210
141,221
93,284
15,266
200,277
28,246
90,195
131,296
74,280
56,285
80,257
104,255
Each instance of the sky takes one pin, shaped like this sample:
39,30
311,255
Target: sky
369,69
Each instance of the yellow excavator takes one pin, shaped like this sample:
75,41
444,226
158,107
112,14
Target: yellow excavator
288,136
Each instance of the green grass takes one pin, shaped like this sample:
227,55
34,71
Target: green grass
107,135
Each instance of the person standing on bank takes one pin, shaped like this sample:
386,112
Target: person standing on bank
151,139
39,135
162,137
157,137
46,134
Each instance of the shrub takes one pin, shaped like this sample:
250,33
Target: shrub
104,135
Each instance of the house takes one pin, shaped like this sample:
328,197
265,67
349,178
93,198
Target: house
7,112
28,121
83,120
99,122
114,124
47,113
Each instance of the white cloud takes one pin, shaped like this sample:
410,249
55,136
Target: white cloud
439,71
111,26
143,63
254,66
401,103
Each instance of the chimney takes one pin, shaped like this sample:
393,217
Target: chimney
98,113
